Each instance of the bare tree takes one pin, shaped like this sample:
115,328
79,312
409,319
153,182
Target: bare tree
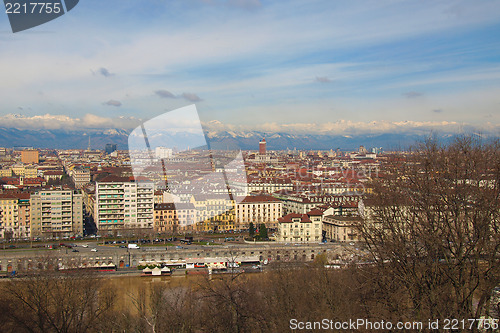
48,301
433,225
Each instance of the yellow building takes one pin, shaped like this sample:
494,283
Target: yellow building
29,156
24,171
220,223
9,216
14,215
172,218
7,172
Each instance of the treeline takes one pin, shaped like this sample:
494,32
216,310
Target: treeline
266,302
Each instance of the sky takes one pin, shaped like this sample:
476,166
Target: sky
294,66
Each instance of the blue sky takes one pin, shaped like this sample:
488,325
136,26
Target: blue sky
304,66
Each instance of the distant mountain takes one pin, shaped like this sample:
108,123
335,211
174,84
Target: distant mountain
281,141
64,139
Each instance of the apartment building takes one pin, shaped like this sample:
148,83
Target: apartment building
301,203
57,213
20,170
123,204
270,185
341,228
301,228
210,205
14,215
171,218
29,156
258,209
218,223
81,177
214,212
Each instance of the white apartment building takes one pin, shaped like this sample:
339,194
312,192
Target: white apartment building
258,209
81,177
211,205
270,186
123,204
163,152
302,203
57,213
301,228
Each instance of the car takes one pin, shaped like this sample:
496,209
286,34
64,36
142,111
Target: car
94,250
75,250
85,245
123,247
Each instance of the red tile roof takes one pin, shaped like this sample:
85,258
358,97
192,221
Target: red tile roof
259,198
289,218
315,212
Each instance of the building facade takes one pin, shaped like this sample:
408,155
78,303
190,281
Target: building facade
173,218
301,228
123,204
81,177
341,228
262,147
258,209
30,156
57,213
14,215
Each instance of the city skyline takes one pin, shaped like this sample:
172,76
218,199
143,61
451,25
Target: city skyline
320,67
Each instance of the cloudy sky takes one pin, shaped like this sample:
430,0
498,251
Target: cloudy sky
318,66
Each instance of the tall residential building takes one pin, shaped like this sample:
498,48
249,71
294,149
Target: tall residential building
57,213
258,209
29,156
14,215
123,204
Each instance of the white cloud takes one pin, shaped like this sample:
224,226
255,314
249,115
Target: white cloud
52,122
347,127
340,127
